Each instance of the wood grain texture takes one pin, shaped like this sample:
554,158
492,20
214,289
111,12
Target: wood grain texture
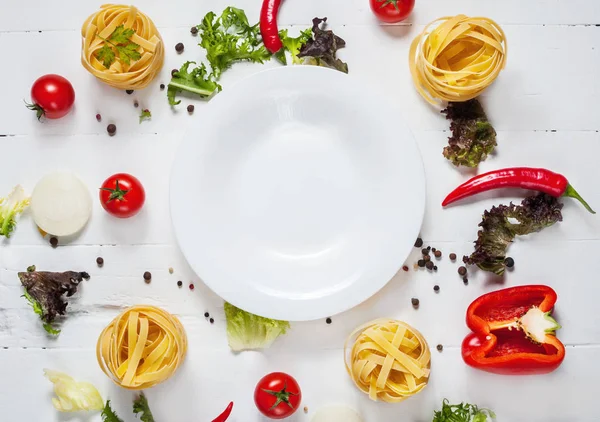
544,106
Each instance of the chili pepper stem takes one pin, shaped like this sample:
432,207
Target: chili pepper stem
572,193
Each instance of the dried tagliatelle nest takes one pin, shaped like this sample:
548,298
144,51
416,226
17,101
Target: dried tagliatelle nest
141,347
388,359
122,47
455,58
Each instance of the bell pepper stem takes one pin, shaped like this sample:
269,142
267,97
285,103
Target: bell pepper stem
572,193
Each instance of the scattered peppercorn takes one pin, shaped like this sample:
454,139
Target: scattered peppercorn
435,268
415,302
100,261
212,320
429,265
439,347
452,256
53,242
328,320
509,262
194,30
428,248
147,276
129,91
421,263
305,409
433,250
190,108
436,288
111,129
405,267
465,280
173,72
179,283
426,258
191,286
171,270
136,104
462,270
98,117
179,47
438,254
418,242
425,251
162,86
206,314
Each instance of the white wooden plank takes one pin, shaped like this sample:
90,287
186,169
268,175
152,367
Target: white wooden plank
541,84
40,15
203,387
563,265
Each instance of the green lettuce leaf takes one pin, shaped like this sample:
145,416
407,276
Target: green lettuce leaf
463,412
10,208
108,415
293,45
246,331
140,405
196,81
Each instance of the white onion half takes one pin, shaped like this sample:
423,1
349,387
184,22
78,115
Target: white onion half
336,413
61,204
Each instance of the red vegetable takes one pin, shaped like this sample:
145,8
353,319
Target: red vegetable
513,332
52,95
538,179
392,11
122,195
277,395
268,25
223,416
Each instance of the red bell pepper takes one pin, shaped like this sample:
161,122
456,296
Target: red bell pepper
513,332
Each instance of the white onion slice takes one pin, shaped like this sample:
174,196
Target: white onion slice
61,204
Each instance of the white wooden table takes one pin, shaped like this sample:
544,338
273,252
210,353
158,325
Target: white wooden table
544,106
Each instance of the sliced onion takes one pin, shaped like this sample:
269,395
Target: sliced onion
61,204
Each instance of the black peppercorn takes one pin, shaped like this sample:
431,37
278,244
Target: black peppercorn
206,314
173,72
328,320
462,270
162,86
421,263
111,129
418,242
212,320
415,302
194,30
179,47
147,276
436,288
190,108
179,283
429,265
453,256
425,251
53,242
439,347
100,261
129,91
509,262
438,254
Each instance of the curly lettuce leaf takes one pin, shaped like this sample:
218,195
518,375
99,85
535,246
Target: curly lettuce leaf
501,224
463,412
321,50
196,81
73,396
10,207
473,137
140,405
44,291
109,415
229,39
246,331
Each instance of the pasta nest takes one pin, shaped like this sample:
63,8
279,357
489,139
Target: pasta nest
456,58
141,347
138,73
389,360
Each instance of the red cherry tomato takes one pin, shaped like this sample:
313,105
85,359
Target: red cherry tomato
52,95
277,395
122,195
392,11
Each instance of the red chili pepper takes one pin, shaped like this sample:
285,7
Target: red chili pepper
542,180
513,332
268,25
223,416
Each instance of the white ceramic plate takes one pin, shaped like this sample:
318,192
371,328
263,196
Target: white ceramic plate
298,193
